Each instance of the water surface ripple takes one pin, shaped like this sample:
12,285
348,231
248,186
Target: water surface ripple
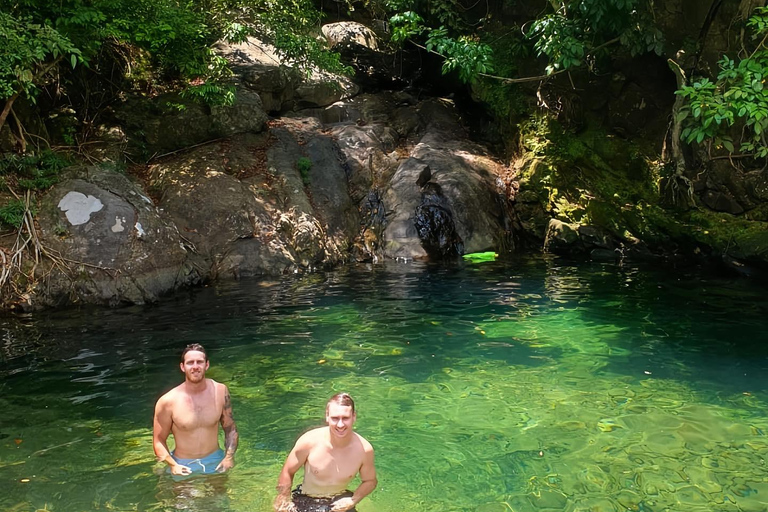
533,385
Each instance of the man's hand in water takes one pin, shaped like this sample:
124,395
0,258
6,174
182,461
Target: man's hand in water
283,504
180,470
342,505
225,465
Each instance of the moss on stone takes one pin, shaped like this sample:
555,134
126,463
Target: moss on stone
725,233
587,177
596,179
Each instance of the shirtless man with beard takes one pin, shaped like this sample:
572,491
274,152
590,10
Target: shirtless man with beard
192,412
331,456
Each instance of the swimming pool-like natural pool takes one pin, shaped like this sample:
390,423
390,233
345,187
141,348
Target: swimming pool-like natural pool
531,385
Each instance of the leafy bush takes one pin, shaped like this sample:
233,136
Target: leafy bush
27,50
40,35
464,53
583,28
12,213
572,34
33,172
738,95
304,164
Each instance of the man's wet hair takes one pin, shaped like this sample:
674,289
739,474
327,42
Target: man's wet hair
341,399
196,347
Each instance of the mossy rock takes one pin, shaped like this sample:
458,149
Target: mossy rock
731,235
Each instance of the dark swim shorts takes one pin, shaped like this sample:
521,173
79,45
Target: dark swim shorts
306,503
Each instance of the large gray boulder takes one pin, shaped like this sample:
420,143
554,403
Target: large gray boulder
458,206
347,32
246,209
169,122
258,68
281,86
107,242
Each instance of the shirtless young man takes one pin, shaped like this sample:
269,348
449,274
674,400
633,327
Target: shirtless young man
331,456
192,412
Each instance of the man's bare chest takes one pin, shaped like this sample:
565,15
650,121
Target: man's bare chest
332,465
196,412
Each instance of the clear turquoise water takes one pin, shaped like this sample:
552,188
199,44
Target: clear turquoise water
533,385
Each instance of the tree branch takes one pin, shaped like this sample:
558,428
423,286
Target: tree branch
15,96
543,77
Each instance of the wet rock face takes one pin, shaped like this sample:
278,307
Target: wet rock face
373,218
435,226
246,208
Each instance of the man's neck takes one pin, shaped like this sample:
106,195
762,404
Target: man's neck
196,387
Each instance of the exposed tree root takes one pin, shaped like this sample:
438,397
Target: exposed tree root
678,187
29,262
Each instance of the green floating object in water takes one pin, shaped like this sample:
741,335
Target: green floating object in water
477,257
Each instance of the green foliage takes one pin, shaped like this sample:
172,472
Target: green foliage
469,57
33,172
560,39
455,39
571,35
304,164
29,49
405,25
212,87
38,35
578,29
463,53
738,95
290,25
505,101
12,213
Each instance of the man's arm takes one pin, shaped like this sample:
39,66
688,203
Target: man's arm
230,433
160,431
367,485
293,462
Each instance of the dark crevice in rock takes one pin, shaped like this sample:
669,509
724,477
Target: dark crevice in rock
435,226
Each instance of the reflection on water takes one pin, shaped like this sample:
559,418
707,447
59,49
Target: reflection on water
195,494
527,386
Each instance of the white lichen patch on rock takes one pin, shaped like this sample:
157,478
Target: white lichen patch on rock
118,226
79,207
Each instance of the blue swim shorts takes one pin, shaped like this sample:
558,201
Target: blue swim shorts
205,465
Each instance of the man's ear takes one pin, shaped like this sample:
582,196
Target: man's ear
207,364
181,367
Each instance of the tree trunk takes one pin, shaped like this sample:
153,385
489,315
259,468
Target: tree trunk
746,7
7,109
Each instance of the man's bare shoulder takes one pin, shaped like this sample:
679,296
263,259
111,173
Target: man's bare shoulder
220,388
164,408
368,447
171,395
312,437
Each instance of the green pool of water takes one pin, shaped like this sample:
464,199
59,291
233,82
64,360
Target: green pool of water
531,385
